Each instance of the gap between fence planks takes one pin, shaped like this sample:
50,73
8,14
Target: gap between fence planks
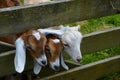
5,47
91,42
90,71
17,19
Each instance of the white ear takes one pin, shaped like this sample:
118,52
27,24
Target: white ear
20,56
77,27
63,63
37,68
52,31
61,26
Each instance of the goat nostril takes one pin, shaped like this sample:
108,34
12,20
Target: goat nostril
43,62
56,68
78,60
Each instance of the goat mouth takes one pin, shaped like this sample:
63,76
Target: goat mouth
56,68
41,62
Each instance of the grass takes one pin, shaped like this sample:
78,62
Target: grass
95,56
99,24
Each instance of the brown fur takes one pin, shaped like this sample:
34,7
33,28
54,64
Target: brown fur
37,46
55,48
9,3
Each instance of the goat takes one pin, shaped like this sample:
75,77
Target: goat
9,3
53,53
31,40
71,39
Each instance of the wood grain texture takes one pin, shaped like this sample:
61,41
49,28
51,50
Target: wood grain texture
17,19
100,40
90,71
7,65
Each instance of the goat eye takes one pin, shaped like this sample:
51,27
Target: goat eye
66,45
29,48
47,49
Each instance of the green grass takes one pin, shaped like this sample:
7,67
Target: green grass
100,55
99,24
22,1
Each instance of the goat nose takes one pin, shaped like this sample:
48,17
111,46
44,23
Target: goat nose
78,59
56,68
43,62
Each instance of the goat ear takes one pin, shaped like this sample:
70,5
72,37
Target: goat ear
63,63
52,31
77,27
20,56
37,67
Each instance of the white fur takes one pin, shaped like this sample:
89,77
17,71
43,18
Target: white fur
55,63
42,58
56,41
73,39
20,56
63,63
71,36
74,28
37,68
37,35
51,31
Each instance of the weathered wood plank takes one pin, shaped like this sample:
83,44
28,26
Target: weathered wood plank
7,58
5,47
17,19
7,63
90,71
100,40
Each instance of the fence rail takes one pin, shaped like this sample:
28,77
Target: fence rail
17,19
90,71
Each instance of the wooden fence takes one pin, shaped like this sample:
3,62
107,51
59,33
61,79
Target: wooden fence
16,19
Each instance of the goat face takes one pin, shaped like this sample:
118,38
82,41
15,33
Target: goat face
34,42
71,40
35,47
53,50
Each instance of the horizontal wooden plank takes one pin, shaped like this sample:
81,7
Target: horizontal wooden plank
100,40
17,19
7,58
7,63
90,71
